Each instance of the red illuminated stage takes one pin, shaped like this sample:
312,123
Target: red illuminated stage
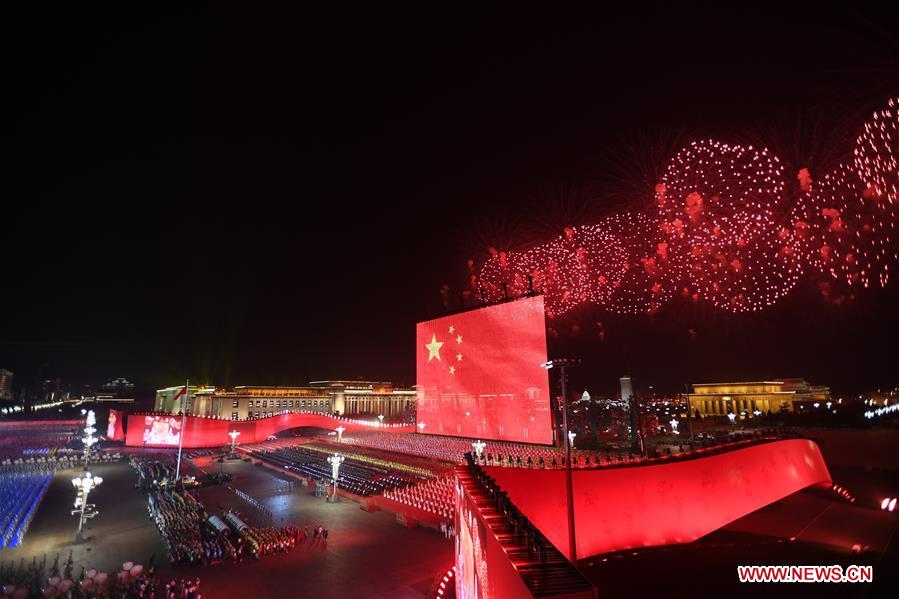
493,561
616,508
479,374
164,430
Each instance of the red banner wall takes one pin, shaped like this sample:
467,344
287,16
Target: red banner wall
676,502
163,430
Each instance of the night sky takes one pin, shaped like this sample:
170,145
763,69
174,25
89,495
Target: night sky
269,198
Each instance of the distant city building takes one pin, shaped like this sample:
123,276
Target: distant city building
5,385
119,384
346,398
881,398
52,392
119,390
7,403
744,399
627,390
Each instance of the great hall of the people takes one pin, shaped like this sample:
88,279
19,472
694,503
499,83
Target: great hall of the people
720,399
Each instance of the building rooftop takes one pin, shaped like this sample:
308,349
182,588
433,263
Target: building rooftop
739,383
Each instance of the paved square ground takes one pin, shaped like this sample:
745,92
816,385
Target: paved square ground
366,554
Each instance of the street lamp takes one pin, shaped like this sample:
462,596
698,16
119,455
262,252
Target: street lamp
562,363
421,427
571,436
340,430
234,435
335,460
479,448
381,419
732,417
84,484
674,422
89,439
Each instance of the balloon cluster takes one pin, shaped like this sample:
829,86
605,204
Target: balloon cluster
724,229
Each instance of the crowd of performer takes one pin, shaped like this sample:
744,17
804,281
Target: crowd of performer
181,521
193,536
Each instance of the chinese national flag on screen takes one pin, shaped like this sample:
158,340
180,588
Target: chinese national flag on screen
479,373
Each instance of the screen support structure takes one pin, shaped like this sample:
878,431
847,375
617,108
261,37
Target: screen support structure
564,363
181,434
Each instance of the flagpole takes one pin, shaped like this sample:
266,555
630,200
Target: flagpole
181,434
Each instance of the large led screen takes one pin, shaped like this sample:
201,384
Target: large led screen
479,374
162,430
115,427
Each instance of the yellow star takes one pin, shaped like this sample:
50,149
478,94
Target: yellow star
452,329
459,339
458,357
452,370
434,348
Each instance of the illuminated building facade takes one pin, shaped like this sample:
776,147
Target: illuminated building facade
744,399
5,384
345,398
116,390
172,401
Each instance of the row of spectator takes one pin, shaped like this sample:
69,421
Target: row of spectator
432,496
520,455
359,478
21,492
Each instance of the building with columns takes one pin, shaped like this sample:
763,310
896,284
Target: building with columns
344,398
744,399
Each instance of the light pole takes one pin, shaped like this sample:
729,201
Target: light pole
479,448
732,417
689,410
234,435
183,407
571,436
381,419
89,439
340,430
84,484
674,422
421,427
335,460
569,491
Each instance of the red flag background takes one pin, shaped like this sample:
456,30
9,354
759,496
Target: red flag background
478,374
